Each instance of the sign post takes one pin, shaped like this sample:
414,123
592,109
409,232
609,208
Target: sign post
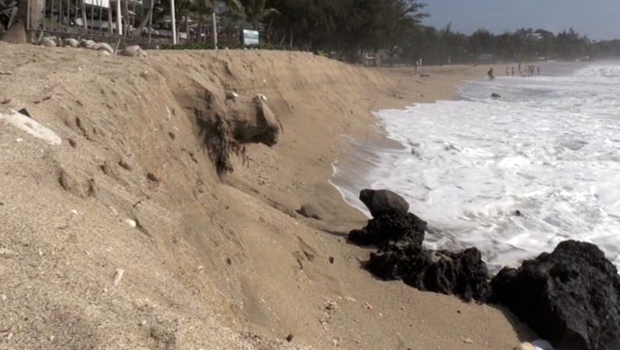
250,37
214,30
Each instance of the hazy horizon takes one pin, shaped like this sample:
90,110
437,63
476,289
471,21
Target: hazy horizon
595,18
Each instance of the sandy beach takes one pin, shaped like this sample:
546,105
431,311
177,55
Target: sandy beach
209,262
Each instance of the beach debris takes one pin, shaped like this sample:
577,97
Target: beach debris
31,126
262,97
569,296
118,276
289,338
309,211
25,112
231,95
378,201
367,306
468,341
6,253
494,95
331,259
123,164
152,177
131,223
351,299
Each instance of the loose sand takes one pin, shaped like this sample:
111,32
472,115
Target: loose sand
210,263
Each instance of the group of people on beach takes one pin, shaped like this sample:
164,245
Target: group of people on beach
510,71
527,72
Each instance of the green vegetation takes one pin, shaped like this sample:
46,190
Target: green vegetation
360,31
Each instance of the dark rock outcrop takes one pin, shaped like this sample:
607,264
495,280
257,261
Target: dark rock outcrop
401,257
378,201
495,95
390,226
570,297
462,273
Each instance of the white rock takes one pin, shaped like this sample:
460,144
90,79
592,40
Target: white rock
262,97
231,95
103,47
47,42
541,344
525,346
118,276
134,51
31,126
86,43
70,42
130,222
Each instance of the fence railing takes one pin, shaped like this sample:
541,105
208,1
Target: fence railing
103,20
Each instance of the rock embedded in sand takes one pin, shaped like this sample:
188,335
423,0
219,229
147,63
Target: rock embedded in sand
309,211
378,201
570,297
390,226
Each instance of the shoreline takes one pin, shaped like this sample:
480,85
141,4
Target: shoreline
443,83
221,261
385,143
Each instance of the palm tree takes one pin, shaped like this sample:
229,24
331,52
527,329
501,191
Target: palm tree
187,8
256,12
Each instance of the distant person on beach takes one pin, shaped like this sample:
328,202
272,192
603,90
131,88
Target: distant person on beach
507,71
513,71
538,70
490,74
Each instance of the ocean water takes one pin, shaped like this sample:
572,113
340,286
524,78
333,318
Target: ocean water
549,148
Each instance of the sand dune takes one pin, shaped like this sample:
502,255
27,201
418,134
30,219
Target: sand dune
211,263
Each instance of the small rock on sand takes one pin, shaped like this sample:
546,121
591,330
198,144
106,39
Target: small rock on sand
118,276
133,51
87,43
70,42
525,346
103,47
309,211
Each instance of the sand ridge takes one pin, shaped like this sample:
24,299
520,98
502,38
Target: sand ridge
211,263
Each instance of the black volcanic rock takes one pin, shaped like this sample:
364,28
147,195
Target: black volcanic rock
378,201
570,297
461,273
390,226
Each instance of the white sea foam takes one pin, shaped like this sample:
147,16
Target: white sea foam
549,147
